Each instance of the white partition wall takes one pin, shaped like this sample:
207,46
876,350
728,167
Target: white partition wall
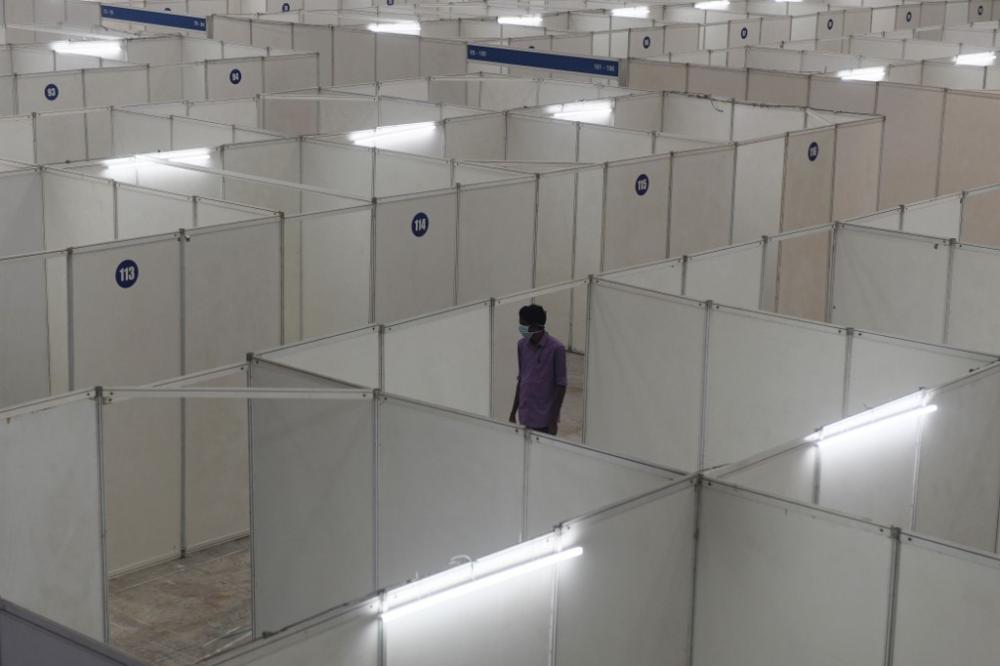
51,513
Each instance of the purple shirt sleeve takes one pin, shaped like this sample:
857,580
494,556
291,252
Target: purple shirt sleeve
559,366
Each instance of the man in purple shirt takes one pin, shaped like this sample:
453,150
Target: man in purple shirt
541,374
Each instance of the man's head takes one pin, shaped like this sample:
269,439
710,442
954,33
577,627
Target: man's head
532,321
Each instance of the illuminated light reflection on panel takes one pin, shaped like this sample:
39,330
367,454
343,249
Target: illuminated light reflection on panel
533,21
631,12
399,27
453,591
189,156
712,4
581,111
911,405
983,59
97,49
862,74
384,136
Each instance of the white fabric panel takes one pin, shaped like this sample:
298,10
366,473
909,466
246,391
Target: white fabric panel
763,565
78,210
60,137
890,283
537,139
232,299
209,213
476,138
664,276
965,161
50,515
453,366
495,240
351,61
195,134
293,72
35,95
142,476
316,39
757,200
398,111
498,625
701,200
635,219
883,369
134,133
396,56
336,265
643,403
885,220
405,174
566,481
350,640
627,599
126,336
769,380
312,503
345,169
143,212
349,357
790,475
808,179
697,118
957,486
277,35
731,276
639,112
973,322
979,217
717,82
414,274
116,86
856,170
230,79
334,116
441,57
17,136
869,471
603,144
954,592
938,217
428,458
911,143
21,225
24,343
777,88
751,122
273,159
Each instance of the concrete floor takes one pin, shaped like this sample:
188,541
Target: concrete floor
181,612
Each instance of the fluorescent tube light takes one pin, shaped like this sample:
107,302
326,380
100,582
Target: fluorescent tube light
595,111
398,27
983,59
631,12
533,20
97,49
712,4
788,0
911,405
190,156
384,135
862,74
451,591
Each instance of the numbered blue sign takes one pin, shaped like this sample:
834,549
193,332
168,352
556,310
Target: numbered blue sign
829,24
390,2
909,16
744,32
285,7
51,91
646,41
127,274
642,184
813,151
235,76
420,224
979,10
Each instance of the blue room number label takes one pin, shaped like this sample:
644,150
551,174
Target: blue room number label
642,184
420,224
813,151
646,42
51,92
744,32
127,274
235,76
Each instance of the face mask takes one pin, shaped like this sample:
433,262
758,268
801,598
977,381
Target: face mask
525,330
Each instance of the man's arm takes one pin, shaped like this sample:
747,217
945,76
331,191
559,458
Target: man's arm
559,372
517,400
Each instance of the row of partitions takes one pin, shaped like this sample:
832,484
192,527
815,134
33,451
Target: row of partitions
406,255
932,143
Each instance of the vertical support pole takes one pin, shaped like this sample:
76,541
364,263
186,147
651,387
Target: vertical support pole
377,399
895,536
458,240
604,218
831,273
253,532
587,350
70,355
102,502
534,243
698,492
492,304
182,240
372,255
525,471
849,334
952,244
764,240
703,418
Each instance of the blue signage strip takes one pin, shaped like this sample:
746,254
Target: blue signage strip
543,60
154,18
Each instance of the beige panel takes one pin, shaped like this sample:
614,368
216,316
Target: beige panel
968,149
980,221
802,276
701,201
808,179
830,93
648,75
910,143
777,88
718,82
856,171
